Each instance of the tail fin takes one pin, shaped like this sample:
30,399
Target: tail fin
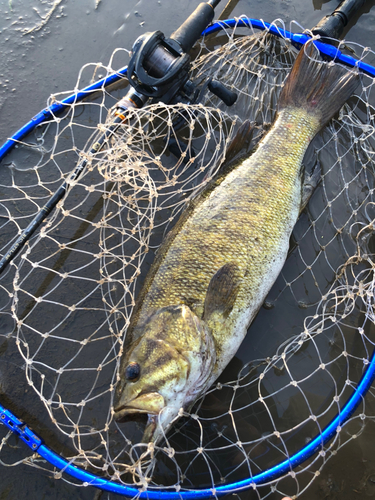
319,87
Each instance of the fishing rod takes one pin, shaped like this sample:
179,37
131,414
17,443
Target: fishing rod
36,444
332,26
158,71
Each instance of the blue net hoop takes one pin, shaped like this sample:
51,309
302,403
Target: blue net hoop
35,443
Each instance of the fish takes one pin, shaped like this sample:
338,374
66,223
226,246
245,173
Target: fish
216,266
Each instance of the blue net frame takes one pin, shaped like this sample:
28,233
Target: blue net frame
315,445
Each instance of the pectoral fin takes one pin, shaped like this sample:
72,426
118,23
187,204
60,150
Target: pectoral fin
222,291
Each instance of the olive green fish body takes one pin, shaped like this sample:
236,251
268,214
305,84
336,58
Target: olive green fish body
216,267
246,220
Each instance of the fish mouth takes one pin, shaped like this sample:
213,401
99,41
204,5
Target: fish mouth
149,404
121,414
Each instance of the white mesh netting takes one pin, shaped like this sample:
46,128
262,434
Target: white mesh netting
66,300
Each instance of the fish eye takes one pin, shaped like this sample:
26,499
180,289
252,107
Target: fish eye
132,372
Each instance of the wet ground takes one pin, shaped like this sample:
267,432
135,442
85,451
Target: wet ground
43,45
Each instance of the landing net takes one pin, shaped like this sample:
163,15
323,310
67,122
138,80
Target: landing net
66,300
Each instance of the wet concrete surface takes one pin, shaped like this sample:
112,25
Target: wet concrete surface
41,55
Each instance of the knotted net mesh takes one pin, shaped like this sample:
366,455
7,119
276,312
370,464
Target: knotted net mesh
66,300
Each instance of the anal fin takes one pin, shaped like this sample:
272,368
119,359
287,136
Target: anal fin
310,182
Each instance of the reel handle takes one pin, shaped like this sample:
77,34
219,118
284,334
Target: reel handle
227,96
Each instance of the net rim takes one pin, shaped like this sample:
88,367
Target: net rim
88,479
297,39
35,442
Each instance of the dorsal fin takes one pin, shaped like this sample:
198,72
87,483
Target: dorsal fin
237,149
240,143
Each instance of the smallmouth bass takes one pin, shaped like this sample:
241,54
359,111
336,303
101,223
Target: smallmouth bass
217,265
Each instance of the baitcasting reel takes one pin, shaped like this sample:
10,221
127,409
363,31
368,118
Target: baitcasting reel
159,68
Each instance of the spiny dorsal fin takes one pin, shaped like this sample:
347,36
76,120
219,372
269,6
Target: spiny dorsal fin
238,147
222,291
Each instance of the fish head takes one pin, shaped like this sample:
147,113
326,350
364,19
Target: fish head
165,369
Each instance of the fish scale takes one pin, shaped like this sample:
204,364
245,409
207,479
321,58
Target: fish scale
215,268
247,220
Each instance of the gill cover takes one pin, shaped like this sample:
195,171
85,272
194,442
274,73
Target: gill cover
165,368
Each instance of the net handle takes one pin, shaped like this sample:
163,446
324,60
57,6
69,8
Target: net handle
88,479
